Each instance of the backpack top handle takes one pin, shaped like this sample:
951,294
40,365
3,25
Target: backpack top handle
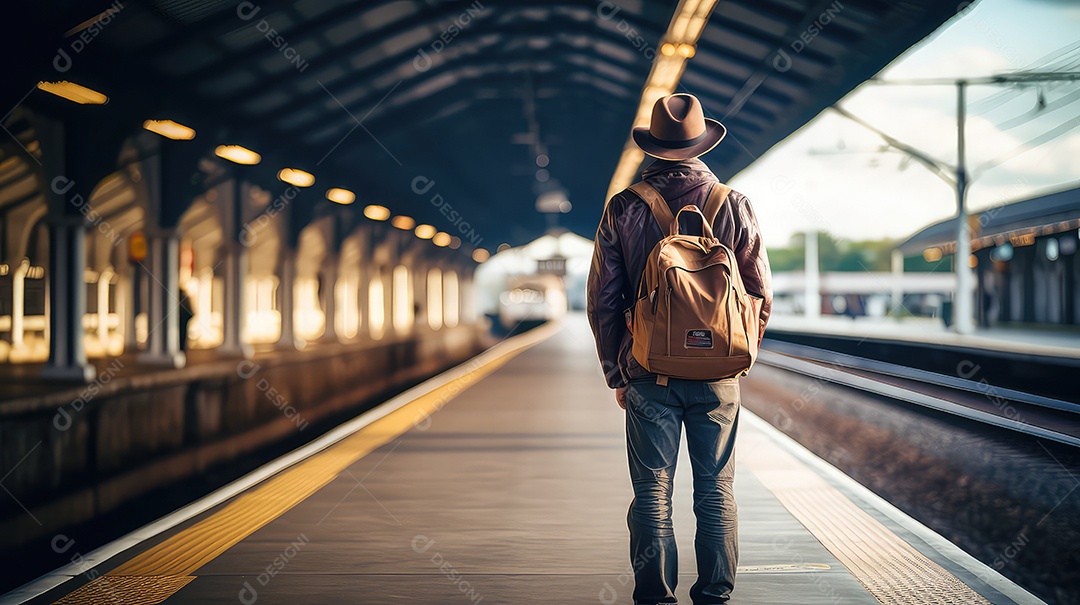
706,228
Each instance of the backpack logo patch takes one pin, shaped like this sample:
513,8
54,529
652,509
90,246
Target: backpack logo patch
699,339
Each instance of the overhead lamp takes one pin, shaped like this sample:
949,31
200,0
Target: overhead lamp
403,222
425,231
340,196
74,92
377,213
480,255
932,255
668,49
455,242
296,177
686,50
170,129
238,154
441,239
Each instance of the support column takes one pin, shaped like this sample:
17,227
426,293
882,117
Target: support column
163,312
962,301
419,270
467,292
812,277
327,297
67,301
387,275
232,313
286,306
897,282
363,290
128,291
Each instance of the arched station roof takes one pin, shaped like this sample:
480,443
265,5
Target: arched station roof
454,99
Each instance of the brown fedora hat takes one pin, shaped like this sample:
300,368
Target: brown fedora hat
679,129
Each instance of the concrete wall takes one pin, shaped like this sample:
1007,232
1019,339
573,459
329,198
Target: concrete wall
76,454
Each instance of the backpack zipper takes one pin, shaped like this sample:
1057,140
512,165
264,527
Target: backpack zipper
733,299
667,304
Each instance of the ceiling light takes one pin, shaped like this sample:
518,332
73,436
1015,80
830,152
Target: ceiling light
441,239
170,130
403,222
296,177
377,213
425,231
341,196
238,154
480,255
455,242
74,92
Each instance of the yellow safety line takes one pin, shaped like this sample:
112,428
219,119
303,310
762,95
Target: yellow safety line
890,568
179,556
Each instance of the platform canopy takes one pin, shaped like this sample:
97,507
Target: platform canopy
1012,222
407,102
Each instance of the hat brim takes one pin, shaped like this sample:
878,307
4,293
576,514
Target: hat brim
714,133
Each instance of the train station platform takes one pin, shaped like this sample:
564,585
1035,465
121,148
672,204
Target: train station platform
504,480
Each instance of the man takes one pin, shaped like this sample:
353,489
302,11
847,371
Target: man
657,408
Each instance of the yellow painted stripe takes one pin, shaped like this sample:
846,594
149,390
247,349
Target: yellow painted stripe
110,590
185,552
890,568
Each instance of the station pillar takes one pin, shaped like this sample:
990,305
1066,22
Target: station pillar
67,300
233,269
327,297
897,282
286,306
163,312
812,277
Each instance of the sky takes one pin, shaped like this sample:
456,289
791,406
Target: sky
831,176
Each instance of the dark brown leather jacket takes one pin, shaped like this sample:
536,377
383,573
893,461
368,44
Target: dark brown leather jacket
627,234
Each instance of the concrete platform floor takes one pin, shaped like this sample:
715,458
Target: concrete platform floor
516,492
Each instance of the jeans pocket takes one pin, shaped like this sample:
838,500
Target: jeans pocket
722,399
645,399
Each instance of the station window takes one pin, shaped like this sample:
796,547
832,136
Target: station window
451,304
347,314
347,292
104,335
376,307
434,299
206,292
403,305
309,318
263,318
27,317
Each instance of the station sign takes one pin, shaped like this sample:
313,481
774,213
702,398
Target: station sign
137,247
551,266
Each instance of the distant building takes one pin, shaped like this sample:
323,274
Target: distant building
1025,259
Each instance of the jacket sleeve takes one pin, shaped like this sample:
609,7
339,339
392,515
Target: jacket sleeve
753,261
606,296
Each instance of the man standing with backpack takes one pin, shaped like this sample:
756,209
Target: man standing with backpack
677,319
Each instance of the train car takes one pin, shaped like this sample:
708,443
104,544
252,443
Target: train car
531,299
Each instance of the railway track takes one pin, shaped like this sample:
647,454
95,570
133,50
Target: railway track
969,394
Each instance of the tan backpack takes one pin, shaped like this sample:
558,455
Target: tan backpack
693,318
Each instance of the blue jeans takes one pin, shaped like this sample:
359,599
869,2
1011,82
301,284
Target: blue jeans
655,416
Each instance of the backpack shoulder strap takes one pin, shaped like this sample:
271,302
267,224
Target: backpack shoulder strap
716,199
657,204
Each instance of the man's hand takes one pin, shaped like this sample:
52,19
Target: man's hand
620,397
